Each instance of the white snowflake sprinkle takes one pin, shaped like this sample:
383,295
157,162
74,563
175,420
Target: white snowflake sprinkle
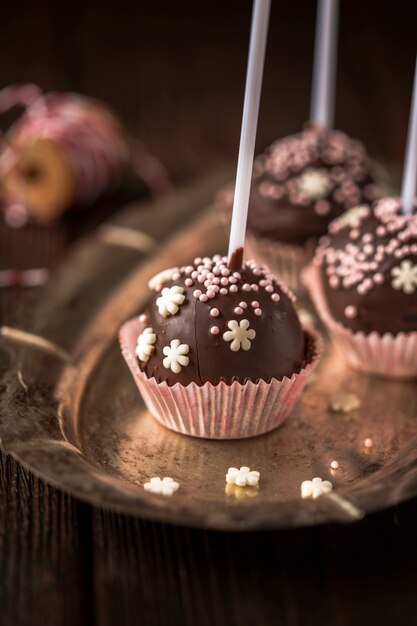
165,486
146,344
175,356
351,218
405,277
163,277
315,488
170,300
344,402
239,334
243,477
314,184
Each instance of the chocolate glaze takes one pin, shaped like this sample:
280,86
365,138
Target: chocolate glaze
277,350
368,267
236,259
304,181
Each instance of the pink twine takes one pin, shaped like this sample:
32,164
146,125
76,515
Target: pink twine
89,136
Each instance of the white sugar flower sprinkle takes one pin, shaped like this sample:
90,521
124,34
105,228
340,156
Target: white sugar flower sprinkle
146,344
314,184
170,300
162,486
239,334
163,277
175,356
352,217
243,477
315,488
405,277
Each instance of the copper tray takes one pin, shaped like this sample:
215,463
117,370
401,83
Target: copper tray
70,412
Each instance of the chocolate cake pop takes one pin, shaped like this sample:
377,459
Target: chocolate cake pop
219,353
363,282
304,181
207,323
368,267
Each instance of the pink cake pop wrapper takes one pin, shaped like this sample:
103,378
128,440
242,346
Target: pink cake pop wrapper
219,411
385,355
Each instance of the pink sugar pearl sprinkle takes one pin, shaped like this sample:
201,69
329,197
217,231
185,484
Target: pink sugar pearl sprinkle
351,312
214,330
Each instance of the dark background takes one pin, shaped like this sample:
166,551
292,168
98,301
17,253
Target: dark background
174,72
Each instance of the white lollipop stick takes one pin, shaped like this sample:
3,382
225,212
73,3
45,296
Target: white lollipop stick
259,31
408,189
324,70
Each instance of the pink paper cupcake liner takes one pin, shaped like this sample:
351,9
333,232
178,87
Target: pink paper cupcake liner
385,355
217,411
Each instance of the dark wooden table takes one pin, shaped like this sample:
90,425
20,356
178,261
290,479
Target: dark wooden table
63,562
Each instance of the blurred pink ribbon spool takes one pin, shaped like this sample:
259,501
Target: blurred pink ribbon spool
65,150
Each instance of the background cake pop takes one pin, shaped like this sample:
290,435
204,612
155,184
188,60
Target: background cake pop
364,277
368,266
